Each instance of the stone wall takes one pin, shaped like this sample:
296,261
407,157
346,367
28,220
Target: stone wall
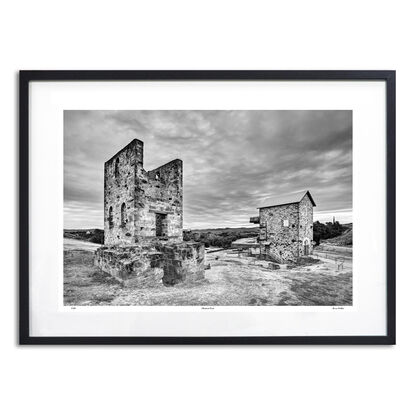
119,188
168,262
160,191
183,261
306,226
278,241
138,204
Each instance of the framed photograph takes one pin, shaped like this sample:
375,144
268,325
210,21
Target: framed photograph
207,207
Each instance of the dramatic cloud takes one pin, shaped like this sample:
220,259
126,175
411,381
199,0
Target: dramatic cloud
232,160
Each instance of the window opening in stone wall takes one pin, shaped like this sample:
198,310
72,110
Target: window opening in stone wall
285,223
123,216
110,218
161,224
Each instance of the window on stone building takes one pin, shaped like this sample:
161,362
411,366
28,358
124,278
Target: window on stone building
110,218
117,168
157,176
286,223
161,224
123,216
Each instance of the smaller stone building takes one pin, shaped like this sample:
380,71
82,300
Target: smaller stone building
286,226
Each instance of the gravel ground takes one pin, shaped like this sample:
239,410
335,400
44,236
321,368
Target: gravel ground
231,280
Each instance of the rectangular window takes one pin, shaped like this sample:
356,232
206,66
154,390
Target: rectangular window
286,223
161,224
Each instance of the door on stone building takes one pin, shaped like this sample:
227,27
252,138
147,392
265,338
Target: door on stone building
161,224
306,248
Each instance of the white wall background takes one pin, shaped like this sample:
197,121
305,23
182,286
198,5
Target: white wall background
206,35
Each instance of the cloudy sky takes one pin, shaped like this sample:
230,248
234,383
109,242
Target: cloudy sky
231,159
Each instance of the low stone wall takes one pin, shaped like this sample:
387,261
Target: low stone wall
172,262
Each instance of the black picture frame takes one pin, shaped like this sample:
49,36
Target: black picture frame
26,77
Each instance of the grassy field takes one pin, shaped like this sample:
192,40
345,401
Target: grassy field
231,280
345,239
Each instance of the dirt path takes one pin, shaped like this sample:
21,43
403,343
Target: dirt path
252,282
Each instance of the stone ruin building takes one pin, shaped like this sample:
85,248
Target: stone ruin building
143,221
140,204
286,227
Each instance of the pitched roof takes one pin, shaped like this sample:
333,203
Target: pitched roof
286,199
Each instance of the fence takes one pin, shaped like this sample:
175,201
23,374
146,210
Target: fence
338,260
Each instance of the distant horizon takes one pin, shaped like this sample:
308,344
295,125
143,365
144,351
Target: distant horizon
232,160
201,229
323,217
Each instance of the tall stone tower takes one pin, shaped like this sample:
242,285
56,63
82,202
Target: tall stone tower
143,222
141,205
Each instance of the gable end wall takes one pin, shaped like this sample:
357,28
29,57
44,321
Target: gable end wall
285,244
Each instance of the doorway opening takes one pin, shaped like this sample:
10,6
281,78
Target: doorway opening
306,247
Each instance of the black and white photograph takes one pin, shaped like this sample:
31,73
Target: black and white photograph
205,209
208,208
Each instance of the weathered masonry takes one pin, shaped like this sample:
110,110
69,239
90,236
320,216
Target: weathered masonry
161,261
286,226
143,221
140,204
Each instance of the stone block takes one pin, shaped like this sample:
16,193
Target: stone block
126,263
